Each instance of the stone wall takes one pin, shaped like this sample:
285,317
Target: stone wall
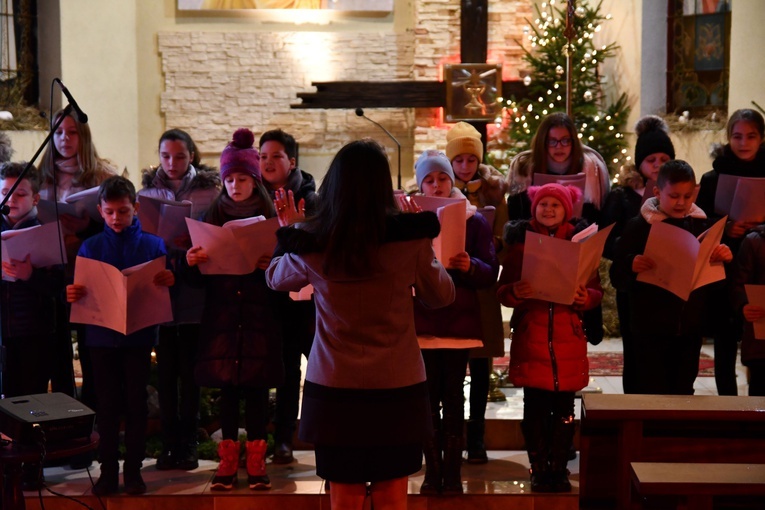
215,82
437,40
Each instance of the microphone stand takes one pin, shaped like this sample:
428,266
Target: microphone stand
360,113
4,210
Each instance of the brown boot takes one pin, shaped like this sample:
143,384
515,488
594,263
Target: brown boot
256,465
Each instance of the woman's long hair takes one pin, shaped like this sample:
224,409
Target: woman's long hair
93,170
356,197
539,143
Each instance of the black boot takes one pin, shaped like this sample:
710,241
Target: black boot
534,432
562,439
452,465
476,450
134,484
187,456
283,453
431,485
108,482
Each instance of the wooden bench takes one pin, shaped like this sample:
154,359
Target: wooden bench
695,485
617,430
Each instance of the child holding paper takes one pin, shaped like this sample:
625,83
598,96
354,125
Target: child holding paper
28,300
241,333
548,353
70,165
557,150
749,269
180,176
652,149
447,334
294,191
121,363
667,330
483,186
743,155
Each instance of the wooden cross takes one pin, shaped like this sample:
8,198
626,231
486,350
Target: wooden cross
474,40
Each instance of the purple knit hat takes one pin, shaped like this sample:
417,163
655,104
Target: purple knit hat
240,156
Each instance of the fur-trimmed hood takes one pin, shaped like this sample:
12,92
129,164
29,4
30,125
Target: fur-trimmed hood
515,230
597,184
652,214
199,177
399,227
725,162
489,182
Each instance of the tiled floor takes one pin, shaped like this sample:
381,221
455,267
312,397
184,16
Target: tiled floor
513,407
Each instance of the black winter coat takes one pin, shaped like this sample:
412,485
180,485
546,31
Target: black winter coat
29,308
655,311
241,333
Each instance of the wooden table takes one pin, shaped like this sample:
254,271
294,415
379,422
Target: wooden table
619,429
694,486
13,455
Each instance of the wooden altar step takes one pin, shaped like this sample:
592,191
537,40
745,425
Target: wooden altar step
500,484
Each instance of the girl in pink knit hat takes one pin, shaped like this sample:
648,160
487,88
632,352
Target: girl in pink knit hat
240,340
548,353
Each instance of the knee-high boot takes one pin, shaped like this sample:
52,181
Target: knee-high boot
431,485
562,439
453,445
535,432
476,450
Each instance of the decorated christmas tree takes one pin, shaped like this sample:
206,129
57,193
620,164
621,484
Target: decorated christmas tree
599,123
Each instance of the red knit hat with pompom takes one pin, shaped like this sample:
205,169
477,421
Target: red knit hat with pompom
240,156
566,195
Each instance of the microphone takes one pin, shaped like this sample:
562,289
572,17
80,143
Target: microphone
360,113
81,116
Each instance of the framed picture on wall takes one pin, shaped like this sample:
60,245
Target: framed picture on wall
472,91
362,6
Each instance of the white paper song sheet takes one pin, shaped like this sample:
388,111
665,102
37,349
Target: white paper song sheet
681,262
42,243
86,202
554,268
748,203
46,210
235,247
725,194
755,294
434,203
124,301
165,218
452,214
451,240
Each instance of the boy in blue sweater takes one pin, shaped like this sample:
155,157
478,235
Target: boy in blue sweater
121,363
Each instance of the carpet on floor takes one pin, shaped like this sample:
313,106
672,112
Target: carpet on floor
609,364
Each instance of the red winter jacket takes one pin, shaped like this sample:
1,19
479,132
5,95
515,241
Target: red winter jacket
544,355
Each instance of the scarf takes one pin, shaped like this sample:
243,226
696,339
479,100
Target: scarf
253,206
558,168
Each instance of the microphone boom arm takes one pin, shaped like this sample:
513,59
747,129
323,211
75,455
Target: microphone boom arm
360,113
